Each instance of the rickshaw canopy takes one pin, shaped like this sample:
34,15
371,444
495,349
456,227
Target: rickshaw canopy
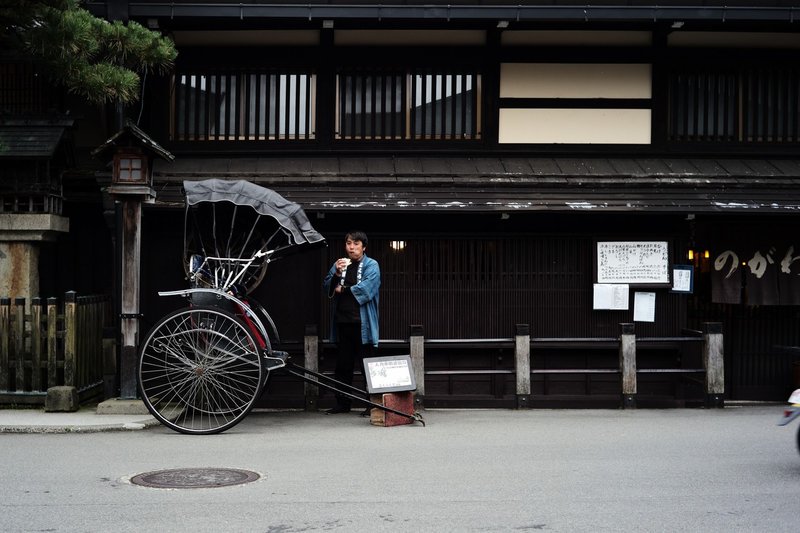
289,215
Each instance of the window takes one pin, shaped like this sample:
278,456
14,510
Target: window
253,105
131,168
745,105
371,106
423,104
770,105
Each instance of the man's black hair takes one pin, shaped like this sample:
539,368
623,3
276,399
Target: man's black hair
357,236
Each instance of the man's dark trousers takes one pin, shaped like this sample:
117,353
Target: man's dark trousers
350,353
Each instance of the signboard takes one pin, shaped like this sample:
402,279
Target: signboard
633,262
609,296
644,307
683,278
389,374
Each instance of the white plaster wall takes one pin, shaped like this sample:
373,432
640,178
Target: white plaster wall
575,126
409,37
575,80
246,37
576,38
701,39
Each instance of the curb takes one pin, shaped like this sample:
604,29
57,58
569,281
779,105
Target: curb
80,428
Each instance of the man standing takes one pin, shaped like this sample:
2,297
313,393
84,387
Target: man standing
352,283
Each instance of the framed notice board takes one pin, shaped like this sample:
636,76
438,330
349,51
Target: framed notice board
642,263
389,374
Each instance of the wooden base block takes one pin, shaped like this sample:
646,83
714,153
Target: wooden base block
400,401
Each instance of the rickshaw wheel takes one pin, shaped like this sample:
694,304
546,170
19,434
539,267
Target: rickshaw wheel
200,370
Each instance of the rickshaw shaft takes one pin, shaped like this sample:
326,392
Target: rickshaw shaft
327,382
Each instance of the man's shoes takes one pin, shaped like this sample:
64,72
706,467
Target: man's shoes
336,410
366,412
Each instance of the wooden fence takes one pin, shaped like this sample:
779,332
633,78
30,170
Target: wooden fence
526,364
51,345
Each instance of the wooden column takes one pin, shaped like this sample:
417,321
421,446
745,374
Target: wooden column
627,365
36,345
522,357
70,337
131,242
714,364
5,341
19,342
52,332
311,362
416,341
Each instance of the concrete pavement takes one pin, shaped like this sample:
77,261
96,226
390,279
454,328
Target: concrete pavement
110,415
478,470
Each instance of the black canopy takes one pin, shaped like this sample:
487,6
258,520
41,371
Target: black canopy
289,215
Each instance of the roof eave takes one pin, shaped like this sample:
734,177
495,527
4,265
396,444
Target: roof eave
518,13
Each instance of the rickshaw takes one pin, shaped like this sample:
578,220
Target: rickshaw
202,368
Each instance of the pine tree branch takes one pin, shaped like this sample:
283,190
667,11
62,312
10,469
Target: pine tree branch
98,60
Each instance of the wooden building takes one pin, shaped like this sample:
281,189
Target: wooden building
487,148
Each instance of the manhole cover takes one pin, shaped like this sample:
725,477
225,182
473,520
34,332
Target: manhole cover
194,478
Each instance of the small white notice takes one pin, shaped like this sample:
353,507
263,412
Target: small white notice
613,296
389,374
682,278
644,307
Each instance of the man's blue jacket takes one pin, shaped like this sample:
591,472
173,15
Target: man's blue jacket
365,293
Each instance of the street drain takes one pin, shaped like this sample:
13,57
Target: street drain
194,478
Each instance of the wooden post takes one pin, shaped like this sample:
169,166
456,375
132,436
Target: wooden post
52,346
522,356
416,342
80,341
19,342
36,345
70,337
714,364
311,362
94,345
5,341
627,364
130,266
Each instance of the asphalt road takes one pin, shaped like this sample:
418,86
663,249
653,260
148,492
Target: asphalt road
469,470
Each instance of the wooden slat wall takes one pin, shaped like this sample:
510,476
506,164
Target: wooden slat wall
243,105
757,365
748,105
462,288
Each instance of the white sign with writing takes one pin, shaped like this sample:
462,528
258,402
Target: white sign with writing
644,307
682,278
611,296
389,374
643,262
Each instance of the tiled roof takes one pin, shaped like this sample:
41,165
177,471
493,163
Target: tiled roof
509,184
31,139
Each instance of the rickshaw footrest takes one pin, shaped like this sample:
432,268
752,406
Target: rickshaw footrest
276,359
